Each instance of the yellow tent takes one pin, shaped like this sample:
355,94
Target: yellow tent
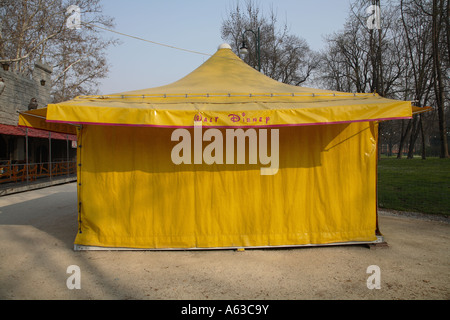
225,157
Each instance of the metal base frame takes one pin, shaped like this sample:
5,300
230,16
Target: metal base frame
378,241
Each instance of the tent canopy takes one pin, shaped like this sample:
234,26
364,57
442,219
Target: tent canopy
223,92
131,193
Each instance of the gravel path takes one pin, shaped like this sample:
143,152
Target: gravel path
37,230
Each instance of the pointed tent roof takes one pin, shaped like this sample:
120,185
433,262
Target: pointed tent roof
223,92
222,74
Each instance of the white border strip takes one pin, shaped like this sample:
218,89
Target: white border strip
78,247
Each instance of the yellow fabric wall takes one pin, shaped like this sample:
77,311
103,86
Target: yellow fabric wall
132,195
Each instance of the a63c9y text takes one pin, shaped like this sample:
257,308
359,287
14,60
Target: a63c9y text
237,309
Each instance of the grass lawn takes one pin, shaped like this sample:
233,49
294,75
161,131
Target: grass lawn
414,185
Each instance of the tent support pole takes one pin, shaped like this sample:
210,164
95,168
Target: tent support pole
26,153
50,154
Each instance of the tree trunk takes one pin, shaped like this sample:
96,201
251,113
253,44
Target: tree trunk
412,139
403,138
422,135
438,83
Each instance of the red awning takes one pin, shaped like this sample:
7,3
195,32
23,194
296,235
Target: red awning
34,133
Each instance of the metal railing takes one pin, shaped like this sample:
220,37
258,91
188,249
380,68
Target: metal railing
21,172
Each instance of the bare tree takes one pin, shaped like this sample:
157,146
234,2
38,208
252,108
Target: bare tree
36,30
360,59
408,59
439,21
283,56
416,35
347,58
423,22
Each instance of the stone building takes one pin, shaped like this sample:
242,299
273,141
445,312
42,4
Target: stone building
29,146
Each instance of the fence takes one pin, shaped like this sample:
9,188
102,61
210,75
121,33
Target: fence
11,173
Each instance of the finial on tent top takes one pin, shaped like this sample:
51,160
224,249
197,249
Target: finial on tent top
224,46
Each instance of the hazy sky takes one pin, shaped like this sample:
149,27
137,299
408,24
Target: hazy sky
195,25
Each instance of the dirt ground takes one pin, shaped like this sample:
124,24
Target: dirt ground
37,229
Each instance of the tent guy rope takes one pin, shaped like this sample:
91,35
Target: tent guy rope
145,40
